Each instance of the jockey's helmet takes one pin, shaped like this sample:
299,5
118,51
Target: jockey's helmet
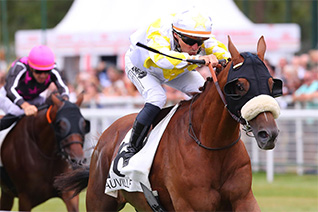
41,58
193,22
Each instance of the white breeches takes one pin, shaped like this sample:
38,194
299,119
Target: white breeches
150,86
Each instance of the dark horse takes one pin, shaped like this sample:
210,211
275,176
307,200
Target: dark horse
201,164
37,149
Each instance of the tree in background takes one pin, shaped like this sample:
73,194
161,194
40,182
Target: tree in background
284,11
26,14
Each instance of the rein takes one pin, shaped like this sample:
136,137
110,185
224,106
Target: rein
195,138
246,127
62,143
37,147
216,83
191,131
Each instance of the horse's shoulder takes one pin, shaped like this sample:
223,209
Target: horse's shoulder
125,120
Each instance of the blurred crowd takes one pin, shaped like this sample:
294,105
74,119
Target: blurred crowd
300,79
299,75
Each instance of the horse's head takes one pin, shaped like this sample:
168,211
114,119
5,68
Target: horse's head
70,128
250,92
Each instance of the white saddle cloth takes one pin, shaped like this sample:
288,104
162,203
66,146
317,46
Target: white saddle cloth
3,134
129,177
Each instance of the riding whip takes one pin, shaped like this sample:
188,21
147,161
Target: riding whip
222,61
156,51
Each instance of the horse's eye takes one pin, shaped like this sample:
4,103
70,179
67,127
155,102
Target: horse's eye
242,86
84,126
62,127
239,87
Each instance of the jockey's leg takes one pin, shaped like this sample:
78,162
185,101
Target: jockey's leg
150,87
11,110
140,129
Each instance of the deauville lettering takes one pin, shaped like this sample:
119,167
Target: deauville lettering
118,182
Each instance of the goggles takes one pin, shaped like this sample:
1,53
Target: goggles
189,41
41,72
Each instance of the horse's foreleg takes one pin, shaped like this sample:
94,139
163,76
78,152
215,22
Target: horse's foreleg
97,200
71,204
137,200
6,201
25,203
247,204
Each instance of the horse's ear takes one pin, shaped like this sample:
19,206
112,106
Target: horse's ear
261,48
236,56
56,101
80,99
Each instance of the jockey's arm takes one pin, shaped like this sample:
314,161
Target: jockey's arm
215,47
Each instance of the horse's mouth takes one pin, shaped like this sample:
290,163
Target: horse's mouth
266,140
76,163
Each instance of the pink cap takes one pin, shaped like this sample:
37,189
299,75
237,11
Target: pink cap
41,58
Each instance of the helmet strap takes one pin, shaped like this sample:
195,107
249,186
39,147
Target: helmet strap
176,42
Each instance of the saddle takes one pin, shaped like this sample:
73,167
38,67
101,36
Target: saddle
163,112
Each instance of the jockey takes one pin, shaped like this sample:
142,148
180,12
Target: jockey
185,35
26,79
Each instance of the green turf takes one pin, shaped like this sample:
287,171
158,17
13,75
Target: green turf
288,193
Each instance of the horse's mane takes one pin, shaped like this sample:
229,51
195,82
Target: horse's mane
196,95
219,69
208,80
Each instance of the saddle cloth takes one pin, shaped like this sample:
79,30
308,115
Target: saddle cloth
3,134
129,177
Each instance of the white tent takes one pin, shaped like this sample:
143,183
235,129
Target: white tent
93,28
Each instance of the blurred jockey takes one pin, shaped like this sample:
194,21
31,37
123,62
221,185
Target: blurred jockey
26,79
186,35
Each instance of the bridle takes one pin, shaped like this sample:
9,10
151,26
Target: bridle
239,120
195,138
63,142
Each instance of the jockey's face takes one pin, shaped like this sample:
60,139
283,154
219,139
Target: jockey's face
40,76
189,44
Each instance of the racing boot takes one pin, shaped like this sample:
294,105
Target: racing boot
138,135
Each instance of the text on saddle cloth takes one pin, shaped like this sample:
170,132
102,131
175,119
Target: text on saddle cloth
137,171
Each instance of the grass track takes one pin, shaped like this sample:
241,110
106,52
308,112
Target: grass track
288,193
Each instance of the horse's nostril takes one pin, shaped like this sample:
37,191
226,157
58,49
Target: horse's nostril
84,160
263,134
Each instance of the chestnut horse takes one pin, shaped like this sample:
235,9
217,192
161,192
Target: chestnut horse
201,163
37,149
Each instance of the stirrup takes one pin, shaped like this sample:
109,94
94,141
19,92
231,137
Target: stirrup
131,152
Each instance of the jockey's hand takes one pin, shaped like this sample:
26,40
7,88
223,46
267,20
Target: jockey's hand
210,59
29,109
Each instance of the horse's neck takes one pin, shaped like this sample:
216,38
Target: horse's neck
42,131
211,117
